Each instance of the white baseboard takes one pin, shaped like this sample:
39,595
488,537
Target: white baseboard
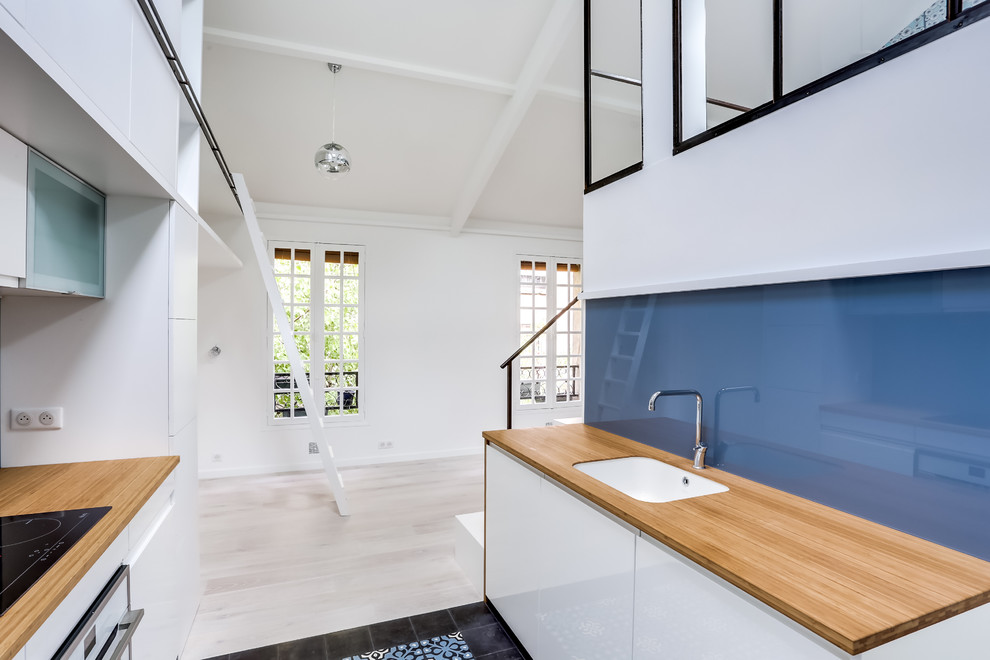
309,466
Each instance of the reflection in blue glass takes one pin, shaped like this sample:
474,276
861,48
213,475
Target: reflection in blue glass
870,395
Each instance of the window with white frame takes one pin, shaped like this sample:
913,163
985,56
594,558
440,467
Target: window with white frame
322,290
550,369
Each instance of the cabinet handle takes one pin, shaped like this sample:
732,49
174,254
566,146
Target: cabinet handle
127,625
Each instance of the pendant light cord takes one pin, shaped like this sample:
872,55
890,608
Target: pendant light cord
334,69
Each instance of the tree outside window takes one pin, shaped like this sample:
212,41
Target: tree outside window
322,290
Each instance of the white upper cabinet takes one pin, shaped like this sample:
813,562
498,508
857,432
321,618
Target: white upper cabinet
91,41
66,231
13,209
154,111
17,8
170,12
107,48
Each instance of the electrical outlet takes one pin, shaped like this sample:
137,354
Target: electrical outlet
385,444
314,448
36,419
217,458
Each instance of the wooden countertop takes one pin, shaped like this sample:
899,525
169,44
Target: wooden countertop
855,583
124,485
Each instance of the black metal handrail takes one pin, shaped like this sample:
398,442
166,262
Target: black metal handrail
508,361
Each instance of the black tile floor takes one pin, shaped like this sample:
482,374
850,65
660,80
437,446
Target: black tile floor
472,626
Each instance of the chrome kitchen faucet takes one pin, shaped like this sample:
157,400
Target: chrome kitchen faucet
699,447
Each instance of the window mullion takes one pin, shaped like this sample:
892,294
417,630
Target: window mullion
317,378
551,333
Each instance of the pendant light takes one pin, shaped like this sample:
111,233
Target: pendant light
332,160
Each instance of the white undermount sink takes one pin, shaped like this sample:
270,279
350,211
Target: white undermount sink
649,480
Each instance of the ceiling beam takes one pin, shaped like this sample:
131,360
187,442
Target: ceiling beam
532,228
560,21
262,44
351,60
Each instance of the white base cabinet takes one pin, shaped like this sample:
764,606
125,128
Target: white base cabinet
155,589
573,582
684,611
147,546
512,576
586,560
559,571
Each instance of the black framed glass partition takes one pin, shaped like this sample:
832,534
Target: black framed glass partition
739,60
613,100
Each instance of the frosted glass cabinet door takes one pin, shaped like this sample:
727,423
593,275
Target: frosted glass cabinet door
66,227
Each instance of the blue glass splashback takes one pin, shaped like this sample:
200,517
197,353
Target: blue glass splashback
870,395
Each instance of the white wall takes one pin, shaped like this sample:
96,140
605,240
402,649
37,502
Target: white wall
104,361
440,316
890,164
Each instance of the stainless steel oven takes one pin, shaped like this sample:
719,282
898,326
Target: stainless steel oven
105,632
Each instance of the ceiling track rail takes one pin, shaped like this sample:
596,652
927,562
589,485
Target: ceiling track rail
172,57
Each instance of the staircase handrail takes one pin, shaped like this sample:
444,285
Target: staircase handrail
539,333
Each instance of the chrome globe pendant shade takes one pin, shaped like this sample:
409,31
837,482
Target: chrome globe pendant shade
332,160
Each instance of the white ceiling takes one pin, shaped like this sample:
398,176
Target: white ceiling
459,113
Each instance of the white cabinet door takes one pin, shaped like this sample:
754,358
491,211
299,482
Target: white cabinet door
586,587
512,494
558,570
17,8
154,588
183,250
56,628
66,231
91,41
183,367
684,611
154,102
13,209
185,562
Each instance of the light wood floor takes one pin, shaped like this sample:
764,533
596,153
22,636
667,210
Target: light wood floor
279,564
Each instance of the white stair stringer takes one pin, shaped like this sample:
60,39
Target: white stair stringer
314,414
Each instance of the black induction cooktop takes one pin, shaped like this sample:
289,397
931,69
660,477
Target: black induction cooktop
32,543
